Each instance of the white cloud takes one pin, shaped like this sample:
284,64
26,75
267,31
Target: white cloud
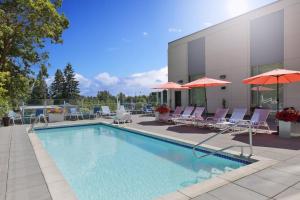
49,80
174,30
83,81
106,79
207,24
147,79
145,34
136,83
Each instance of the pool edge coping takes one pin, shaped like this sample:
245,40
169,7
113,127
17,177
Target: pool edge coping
188,192
58,186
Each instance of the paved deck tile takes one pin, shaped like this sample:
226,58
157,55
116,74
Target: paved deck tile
261,185
289,194
232,191
25,180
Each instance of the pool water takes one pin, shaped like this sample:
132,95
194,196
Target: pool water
106,163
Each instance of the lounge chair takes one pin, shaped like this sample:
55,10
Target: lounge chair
148,110
96,112
197,115
39,114
167,117
238,115
14,117
187,113
259,119
218,117
73,112
194,117
177,112
122,117
106,111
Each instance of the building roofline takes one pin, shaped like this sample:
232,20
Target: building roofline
225,21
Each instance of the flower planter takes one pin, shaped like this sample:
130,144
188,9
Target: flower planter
156,114
289,129
56,117
164,117
5,121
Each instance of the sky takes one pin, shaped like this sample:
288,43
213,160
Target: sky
121,45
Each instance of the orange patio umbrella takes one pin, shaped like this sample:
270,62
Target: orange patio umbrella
171,86
277,76
205,82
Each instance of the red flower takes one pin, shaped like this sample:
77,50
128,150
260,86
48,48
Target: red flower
288,115
162,109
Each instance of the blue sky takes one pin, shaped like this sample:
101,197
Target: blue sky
121,45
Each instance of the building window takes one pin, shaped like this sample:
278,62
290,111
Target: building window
267,96
197,95
165,96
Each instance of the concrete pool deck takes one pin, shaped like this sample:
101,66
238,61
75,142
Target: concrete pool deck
21,176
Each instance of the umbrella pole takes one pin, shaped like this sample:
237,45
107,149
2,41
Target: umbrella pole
277,87
205,99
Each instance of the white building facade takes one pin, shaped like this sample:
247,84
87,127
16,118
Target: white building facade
250,44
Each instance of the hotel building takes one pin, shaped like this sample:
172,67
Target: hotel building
247,45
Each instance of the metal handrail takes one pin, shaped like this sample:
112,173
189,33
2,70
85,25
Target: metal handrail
245,122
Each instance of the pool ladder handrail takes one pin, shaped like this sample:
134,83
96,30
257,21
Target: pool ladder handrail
245,122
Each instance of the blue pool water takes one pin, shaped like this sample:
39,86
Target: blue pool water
105,163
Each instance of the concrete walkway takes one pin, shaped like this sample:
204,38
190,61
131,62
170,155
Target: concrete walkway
21,177
20,174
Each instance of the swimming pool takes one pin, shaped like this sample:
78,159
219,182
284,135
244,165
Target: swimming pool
104,162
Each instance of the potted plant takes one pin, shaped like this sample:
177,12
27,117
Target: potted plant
289,125
163,112
4,107
56,114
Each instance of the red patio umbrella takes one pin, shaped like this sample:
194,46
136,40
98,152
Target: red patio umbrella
171,86
277,76
205,82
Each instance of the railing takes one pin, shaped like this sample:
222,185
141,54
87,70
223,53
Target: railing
229,147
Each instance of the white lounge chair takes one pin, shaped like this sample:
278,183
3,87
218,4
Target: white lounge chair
197,115
105,111
14,117
237,115
74,112
187,113
177,112
259,119
218,117
122,117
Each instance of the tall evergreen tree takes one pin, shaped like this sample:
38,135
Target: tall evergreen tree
71,89
40,88
57,87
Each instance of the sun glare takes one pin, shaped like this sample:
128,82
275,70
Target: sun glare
237,7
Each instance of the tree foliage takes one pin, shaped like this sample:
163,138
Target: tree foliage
4,104
71,89
25,26
40,88
57,88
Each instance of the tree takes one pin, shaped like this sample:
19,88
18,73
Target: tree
57,87
122,97
4,104
104,96
25,26
40,88
71,89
